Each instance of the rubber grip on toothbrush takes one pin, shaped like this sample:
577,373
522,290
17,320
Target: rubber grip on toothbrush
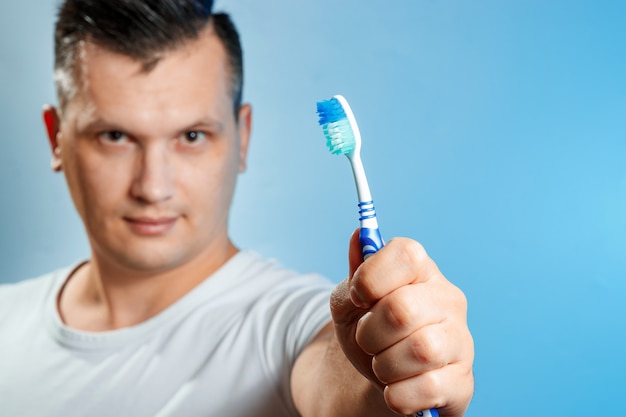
370,240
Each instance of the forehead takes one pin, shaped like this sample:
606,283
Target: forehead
191,80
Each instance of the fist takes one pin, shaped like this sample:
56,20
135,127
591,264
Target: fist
403,325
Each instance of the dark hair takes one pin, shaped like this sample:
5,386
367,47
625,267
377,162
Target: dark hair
140,29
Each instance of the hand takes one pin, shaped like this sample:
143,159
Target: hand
403,325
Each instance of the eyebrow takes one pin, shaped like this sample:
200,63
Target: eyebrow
207,123
102,124
95,124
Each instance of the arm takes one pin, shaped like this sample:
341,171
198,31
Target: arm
399,341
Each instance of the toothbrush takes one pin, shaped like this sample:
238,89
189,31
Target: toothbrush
343,138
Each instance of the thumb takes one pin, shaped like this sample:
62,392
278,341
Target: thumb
355,254
343,310
346,315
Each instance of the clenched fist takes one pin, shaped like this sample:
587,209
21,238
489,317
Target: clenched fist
403,325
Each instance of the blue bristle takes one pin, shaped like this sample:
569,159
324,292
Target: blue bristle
330,111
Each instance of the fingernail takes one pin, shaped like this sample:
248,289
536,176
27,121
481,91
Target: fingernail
356,299
363,318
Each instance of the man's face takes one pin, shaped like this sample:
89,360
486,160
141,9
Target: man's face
151,159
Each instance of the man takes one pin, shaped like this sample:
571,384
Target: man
168,317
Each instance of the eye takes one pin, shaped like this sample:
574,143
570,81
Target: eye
193,137
113,136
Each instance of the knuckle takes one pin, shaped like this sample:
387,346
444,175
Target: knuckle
459,298
469,385
432,389
426,349
399,313
410,252
454,297
459,304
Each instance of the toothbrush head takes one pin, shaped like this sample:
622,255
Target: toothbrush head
339,126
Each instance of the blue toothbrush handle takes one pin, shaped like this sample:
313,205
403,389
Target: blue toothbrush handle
371,241
370,238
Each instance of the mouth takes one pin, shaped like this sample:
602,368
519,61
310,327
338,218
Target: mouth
151,226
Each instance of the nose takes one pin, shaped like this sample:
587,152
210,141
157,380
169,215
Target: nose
154,178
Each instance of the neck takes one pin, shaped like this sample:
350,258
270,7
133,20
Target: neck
101,295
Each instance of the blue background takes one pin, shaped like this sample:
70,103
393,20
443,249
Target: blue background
494,133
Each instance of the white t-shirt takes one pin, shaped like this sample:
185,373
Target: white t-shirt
225,349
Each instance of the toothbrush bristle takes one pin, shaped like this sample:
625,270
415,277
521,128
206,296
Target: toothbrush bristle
330,111
340,138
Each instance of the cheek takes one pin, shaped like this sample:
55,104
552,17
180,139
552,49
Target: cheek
208,183
228,175
96,184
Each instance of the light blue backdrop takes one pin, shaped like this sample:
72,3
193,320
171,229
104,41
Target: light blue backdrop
494,133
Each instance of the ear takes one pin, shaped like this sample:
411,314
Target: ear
51,121
245,128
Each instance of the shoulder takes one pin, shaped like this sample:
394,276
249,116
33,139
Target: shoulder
25,288
271,270
268,278
268,291
30,292
288,301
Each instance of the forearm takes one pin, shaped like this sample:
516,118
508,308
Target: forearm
332,386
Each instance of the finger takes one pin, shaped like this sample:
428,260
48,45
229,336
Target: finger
342,308
343,311
345,316
355,254
429,348
401,313
448,389
403,261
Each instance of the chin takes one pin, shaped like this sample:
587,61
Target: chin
152,259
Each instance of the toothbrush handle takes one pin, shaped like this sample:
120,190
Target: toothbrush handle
371,241
369,236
